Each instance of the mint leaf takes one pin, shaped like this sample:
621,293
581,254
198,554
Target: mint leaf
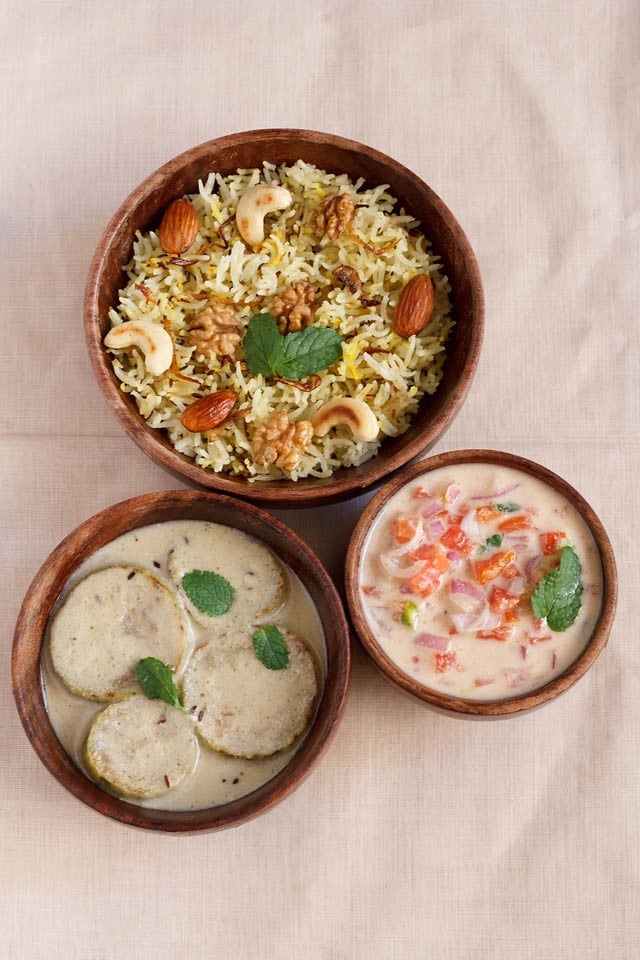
156,680
263,344
506,507
309,350
557,596
293,356
209,592
271,648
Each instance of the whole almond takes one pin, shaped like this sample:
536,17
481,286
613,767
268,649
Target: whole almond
415,306
179,226
209,412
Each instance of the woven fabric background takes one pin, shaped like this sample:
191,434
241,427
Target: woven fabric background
418,836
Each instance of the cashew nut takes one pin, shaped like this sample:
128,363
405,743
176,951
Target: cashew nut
350,411
254,204
152,339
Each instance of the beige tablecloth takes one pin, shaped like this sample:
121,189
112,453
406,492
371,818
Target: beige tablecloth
418,836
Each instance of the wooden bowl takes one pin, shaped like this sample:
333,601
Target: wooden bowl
143,209
82,543
456,706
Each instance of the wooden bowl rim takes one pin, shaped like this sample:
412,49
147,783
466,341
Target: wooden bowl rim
457,706
42,595
346,482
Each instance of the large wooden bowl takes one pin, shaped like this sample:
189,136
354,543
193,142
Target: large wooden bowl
95,533
143,209
456,706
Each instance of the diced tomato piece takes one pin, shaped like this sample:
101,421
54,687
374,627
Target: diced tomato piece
404,528
423,552
486,514
501,600
428,577
456,539
499,633
510,616
370,591
549,541
511,524
444,661
491,567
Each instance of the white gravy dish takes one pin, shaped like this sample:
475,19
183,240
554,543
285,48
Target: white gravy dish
477,580
266,593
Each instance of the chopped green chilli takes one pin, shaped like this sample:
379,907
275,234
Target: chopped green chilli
410,614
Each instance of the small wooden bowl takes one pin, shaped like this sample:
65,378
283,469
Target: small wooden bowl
143,209
82,543
456,706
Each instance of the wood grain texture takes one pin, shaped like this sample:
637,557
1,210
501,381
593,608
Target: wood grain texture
143,210
95,533
456,706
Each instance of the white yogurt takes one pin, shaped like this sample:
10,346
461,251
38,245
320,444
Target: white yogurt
457,553
216,778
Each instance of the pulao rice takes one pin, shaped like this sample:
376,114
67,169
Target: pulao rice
390,373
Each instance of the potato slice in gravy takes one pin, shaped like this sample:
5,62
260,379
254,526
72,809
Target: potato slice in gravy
108,622
253,571
141,748
244,709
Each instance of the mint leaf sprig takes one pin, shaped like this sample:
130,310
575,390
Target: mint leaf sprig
209,592
271,648
557,596
292,356
156,681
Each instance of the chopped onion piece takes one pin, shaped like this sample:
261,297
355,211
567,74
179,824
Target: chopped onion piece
395,569
516,586
496,493
431,510
469,525
470,622
470,589
433,641
531,566
463,621
410,545
490,619
452,493
435,529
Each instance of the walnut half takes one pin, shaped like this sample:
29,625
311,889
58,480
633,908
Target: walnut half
348,277
294,308
214,331
280,442
333,216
